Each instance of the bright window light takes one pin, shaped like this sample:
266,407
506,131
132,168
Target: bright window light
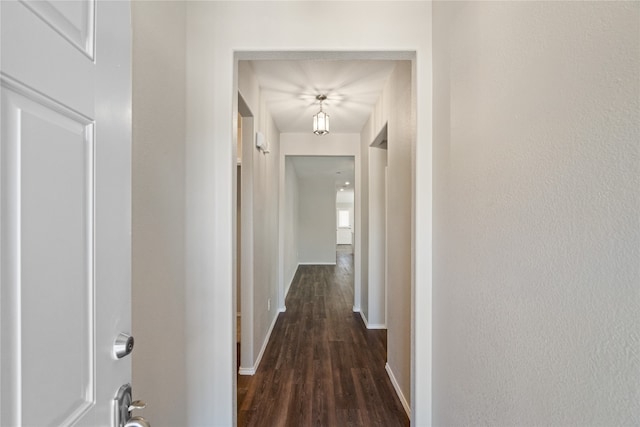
343,219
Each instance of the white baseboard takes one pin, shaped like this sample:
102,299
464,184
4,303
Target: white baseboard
376,326
282,309
317,263
396,386
252,370
364,318
370,325
356,309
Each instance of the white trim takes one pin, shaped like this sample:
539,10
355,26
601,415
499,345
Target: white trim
333,146
210,187
396,386
316,263
371,325
252,370
247,371
356,308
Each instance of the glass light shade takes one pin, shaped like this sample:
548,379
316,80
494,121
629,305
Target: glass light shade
321,123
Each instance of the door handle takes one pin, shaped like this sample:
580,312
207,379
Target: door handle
137,422
137,404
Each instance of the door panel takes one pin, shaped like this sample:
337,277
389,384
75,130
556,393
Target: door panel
73,20
65,210
37,55
53,150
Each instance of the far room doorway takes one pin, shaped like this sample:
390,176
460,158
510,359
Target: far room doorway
319,192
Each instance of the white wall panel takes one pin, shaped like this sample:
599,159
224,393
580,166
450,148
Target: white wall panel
159,370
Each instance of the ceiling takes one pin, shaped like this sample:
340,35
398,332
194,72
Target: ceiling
352,87
340,169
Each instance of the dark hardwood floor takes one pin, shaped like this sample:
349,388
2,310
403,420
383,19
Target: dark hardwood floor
322,367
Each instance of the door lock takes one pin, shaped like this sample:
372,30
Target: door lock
122,407
123,345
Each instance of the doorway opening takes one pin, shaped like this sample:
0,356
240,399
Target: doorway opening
392,230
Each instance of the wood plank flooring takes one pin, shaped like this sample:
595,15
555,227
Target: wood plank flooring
322,367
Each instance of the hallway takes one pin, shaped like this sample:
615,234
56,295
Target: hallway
321,366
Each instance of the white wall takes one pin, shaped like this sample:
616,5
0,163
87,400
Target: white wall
245,280
377,236
159,369
316,221
239,229
290,224
537,239
399,226
260,170
395,108
215,30
366,136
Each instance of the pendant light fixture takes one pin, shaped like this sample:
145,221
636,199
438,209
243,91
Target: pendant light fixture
321,120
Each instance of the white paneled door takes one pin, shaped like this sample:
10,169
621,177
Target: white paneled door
65,179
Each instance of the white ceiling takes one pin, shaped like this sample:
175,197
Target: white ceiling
339,169
289,89
352,88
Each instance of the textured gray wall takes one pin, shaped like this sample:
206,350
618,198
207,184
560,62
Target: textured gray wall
536,222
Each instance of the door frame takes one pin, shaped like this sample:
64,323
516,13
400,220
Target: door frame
245,282
284,282
211,160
